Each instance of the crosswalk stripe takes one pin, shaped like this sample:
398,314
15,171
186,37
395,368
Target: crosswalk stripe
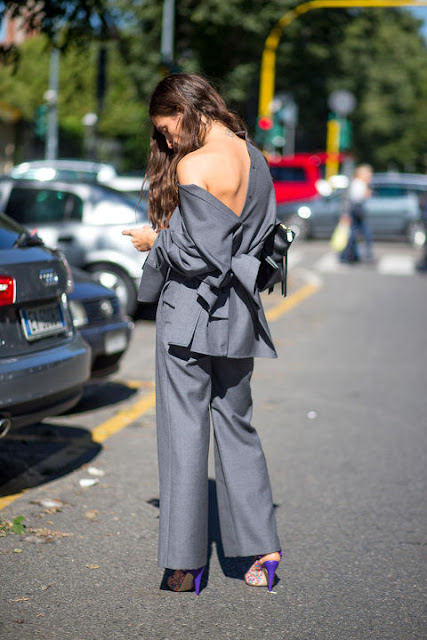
400,265
393,264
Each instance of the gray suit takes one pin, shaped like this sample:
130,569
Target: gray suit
210,325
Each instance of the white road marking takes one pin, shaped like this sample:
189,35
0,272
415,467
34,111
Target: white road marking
391,264
398,265
328,263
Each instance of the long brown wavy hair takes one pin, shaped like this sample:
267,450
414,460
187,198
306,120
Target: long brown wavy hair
199,105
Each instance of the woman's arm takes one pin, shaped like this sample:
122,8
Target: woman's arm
142,238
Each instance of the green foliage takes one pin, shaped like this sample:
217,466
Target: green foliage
375,53
15,526
62,21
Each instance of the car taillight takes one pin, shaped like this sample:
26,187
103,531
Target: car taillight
7,290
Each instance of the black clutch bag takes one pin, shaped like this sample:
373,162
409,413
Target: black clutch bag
274,259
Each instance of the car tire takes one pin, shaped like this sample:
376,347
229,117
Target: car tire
115,278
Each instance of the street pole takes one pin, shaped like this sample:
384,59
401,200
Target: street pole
168,29
268,62
51,97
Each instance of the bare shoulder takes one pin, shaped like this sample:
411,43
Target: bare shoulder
194,168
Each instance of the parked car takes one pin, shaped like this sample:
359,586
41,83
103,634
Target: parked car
97,314
132,186
300,177
44,361
63,169
82,171
399,184
84,220
295,177
391,214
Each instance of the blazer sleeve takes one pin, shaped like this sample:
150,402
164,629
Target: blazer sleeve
197,244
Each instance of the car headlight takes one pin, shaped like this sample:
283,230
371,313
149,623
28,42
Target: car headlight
78,313
304,212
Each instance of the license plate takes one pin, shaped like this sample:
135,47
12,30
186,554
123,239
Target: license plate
42,321
115,341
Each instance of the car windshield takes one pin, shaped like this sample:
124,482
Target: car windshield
388,191
9,231
101,193
288,174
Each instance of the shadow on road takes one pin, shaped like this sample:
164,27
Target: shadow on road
104,393
34,455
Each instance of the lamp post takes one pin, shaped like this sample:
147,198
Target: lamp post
168,24
51,97
341,103
89,122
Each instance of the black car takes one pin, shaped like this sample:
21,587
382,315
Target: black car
97,314
44,361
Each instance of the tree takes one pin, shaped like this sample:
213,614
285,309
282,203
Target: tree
60,20
122,115
377,54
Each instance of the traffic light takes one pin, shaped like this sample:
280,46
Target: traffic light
270,133
40,121
265,123
264,127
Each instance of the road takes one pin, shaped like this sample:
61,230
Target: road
342,414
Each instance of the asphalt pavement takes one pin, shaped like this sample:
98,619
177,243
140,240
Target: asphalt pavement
342,414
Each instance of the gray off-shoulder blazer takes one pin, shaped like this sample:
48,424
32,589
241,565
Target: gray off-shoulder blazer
203,270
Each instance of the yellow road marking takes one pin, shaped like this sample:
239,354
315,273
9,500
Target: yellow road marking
7,500
291,301
123,418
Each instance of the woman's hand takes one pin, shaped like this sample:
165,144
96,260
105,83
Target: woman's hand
142,238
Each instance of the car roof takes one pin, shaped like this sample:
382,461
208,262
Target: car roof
102,171
63,184
404,179
81,188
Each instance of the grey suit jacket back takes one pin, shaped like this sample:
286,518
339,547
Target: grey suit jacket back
203,270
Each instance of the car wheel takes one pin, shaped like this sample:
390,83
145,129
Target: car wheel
415,234
118,280
299,227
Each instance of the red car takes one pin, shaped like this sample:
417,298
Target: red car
295,177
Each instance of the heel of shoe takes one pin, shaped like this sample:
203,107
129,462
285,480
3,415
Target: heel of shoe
270,566
197,575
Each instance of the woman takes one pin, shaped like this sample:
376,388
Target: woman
359,192
211,205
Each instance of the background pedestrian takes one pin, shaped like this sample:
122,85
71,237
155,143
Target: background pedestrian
359,192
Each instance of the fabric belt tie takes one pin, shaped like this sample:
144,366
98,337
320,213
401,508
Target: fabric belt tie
245,269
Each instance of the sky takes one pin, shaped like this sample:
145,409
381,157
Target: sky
421,13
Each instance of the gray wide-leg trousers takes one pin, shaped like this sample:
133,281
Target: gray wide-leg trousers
190,388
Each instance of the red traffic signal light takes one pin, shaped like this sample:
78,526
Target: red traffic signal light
265,123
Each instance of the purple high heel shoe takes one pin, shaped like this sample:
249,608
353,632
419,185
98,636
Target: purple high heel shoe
262,574
184,580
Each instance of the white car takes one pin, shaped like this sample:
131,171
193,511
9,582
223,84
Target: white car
85,221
